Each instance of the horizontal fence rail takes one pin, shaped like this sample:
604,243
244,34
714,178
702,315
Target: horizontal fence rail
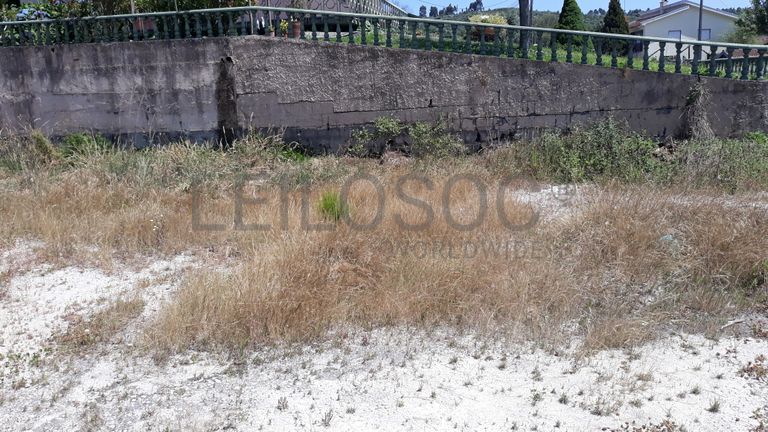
733,61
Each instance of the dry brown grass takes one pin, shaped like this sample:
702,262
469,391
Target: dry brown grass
633,260
84,332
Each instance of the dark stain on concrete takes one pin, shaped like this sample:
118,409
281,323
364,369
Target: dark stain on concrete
226,102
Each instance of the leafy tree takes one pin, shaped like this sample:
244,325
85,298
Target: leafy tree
571,17
615,22
423,11
170,5
433,12
476,6
755,19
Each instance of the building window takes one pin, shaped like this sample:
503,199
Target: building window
706,34
675,34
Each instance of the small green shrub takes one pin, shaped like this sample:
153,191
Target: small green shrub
387,127
83,145
259,147
43,148
726,163
332,207
424,139
384,129
434,141
605,149
22,152
757,136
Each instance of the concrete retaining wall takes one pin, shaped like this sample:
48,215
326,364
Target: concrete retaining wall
157,90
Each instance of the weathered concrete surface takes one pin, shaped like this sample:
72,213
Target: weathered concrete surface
319,92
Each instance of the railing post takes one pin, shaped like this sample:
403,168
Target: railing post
553,47
376,32
662,56
440,37
729,63
760,64
401,41
313,20
569,49
482,40
614,53
598,51
164,32
696,59
584,49
524,44
630,54
468,39
454,37
712,60
232,30
678,57
388,25
219,25
363,32
413,35
745,63
539,47
646,56
208,25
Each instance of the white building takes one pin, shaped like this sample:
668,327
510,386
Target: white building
680,20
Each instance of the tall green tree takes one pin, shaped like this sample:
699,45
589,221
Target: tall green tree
570,18
755,19
615,21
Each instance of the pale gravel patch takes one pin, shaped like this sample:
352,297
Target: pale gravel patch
388,377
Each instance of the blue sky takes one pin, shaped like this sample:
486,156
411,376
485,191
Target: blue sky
554,5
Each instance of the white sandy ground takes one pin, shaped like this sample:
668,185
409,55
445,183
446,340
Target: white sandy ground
392,379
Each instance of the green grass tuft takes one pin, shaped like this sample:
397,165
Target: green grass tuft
332,207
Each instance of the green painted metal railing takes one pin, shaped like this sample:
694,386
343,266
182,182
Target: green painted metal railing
634,52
